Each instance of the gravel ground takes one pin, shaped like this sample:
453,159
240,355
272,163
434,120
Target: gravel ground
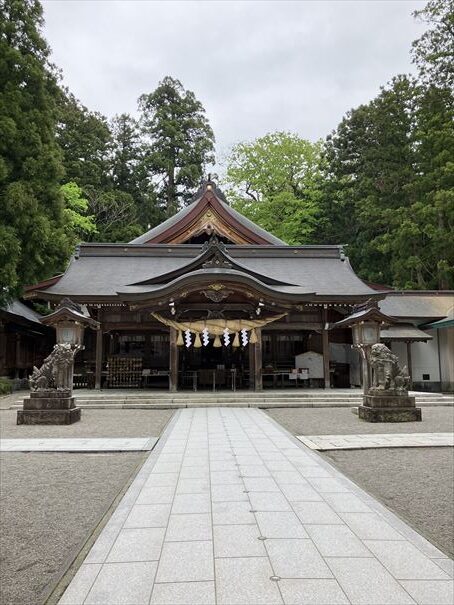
94,423
50,503
341,421
415,483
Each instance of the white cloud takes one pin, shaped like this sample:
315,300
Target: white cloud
256,66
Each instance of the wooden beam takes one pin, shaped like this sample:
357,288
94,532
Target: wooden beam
173,360
99,355
325,345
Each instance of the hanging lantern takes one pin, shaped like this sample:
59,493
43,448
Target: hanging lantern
236,340
217,342
180,341
244,337
187,338
226,337
197,341
253,337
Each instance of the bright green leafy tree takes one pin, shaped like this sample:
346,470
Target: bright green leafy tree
274,181
78,225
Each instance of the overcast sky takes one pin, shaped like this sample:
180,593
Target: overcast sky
256,66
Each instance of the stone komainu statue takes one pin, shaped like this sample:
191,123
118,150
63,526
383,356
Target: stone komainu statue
56,371
386,372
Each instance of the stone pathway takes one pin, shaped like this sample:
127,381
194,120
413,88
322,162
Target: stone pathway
231,509
359,442
77,445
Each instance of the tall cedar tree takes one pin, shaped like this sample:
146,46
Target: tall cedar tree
32,239
180,142
274,181
129,171
370,161
85,140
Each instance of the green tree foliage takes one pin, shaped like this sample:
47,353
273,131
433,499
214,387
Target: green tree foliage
85,140
433,52
78,225
33,242
179,142
369,162
274,181
129,170
389,178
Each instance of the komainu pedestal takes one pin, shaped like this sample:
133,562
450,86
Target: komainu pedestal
388,406
51,400
49,407
388,399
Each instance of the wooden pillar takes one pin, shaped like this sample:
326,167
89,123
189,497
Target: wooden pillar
173,360
409,362
99,354
325,345
258,360
251,351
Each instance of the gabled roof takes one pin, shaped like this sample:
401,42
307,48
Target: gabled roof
208,213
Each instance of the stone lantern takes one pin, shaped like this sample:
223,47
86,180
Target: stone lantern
385,385
51,400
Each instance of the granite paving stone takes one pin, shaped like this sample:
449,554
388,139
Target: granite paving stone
189,527
123,584
370,526
430,592
238,541
81,584
280,525
316,512
140,544
312,592
246,582
261,484
269,501
273,523
186,562
184,593
191,503
296,559
366,582
148,515
347,503
300,493
337,541
232,513
405,561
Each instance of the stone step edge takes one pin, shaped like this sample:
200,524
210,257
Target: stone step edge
261,405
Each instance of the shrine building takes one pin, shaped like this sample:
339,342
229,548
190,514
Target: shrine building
209,300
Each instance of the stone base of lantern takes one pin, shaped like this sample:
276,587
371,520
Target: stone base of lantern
389,406
49,407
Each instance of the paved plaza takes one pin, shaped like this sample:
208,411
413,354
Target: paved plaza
353,442
229,508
